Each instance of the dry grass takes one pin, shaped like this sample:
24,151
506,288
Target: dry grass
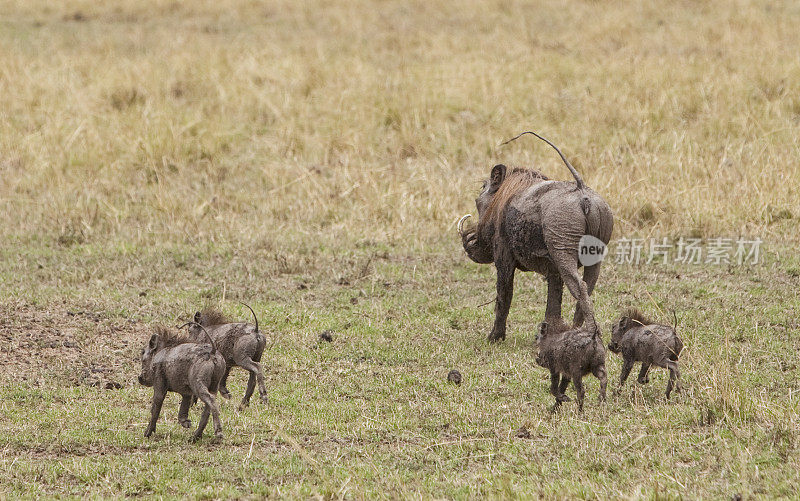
154,121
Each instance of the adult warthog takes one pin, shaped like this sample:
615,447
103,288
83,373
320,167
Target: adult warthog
531,223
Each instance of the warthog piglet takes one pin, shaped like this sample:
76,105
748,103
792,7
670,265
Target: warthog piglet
638,339
240,343
571,353
171,362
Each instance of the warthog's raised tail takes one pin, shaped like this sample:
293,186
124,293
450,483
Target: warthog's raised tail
254,314
578,178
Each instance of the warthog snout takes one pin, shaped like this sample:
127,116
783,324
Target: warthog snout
475,249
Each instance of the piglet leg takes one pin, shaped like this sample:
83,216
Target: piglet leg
202,424
643,378
554,384
256,375
578,383
155,410
562,388
674,374
223,385
600,373
183,412
627,365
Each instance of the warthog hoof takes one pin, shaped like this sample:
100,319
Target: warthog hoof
496,337
225,394
243,406
643,380
563,398
186,423
264,399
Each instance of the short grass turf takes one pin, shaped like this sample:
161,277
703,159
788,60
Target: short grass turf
371,413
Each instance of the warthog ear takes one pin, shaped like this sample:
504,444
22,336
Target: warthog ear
542,329
153,341
497,176
197,317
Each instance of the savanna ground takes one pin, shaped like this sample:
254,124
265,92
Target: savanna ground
311,159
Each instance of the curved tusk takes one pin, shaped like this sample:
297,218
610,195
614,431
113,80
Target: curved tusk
461,223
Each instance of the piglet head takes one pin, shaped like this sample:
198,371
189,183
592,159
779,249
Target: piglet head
617,330
150,349
194,326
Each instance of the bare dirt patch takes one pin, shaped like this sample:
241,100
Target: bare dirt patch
78,345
